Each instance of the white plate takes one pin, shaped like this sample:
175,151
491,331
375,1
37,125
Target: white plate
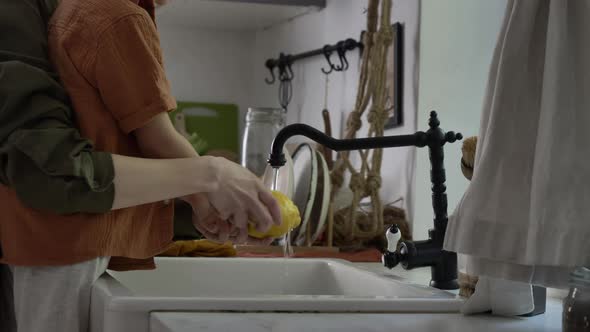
306,177
324,196
319,205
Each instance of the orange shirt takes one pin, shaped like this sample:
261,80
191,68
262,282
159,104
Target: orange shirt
108,56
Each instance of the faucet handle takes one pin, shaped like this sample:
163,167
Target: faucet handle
393,235
392,257
451,137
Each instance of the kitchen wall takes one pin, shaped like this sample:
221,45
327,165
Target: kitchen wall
341,19
194,56
452,45
208,65
456,43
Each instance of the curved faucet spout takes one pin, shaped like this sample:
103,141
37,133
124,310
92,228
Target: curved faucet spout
435,137
277,159
412,254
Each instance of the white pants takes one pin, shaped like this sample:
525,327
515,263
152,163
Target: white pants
55,298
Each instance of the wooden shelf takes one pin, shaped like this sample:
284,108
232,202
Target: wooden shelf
234,15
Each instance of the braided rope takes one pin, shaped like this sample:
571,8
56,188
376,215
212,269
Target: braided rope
372,90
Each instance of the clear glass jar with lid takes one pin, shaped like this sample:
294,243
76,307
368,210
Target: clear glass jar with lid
576,306
262,125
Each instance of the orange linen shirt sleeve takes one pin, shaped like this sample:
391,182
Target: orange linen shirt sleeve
129,72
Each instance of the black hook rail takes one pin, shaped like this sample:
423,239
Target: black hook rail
285,61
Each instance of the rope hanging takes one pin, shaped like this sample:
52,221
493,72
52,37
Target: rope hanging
352,225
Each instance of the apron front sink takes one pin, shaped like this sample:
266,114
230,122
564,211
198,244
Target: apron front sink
254,285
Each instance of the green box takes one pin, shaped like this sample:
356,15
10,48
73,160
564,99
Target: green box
217,124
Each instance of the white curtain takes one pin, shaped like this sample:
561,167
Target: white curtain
526,214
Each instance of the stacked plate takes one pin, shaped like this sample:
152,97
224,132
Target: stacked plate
311,193
305,179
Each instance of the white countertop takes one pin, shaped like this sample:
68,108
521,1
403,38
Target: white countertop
215,322
302,322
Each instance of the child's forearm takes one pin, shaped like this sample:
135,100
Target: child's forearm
140,181
159,139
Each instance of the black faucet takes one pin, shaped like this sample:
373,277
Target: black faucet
411,254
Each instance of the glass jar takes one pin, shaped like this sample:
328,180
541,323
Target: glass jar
576,306
262,125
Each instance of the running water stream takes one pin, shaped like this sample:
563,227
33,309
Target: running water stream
287,249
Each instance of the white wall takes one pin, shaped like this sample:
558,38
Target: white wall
228,66
454,50
341,19
456,43
209,65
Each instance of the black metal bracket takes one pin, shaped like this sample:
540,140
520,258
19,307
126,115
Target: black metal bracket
284,62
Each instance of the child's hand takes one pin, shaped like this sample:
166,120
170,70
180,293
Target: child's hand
208,222
212,227
216,229
241,198
205,219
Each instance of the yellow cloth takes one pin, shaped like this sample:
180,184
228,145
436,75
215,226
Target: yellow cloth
199,248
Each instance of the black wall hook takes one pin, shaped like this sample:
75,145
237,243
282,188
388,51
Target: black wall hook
285,70
269,65
341,51
290,71
327,54
284,62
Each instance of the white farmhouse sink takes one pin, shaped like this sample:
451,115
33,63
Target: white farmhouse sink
122,301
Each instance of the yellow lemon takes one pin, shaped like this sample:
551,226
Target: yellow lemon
289,214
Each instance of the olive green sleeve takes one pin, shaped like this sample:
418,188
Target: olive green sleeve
42,155
59,173
43,158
